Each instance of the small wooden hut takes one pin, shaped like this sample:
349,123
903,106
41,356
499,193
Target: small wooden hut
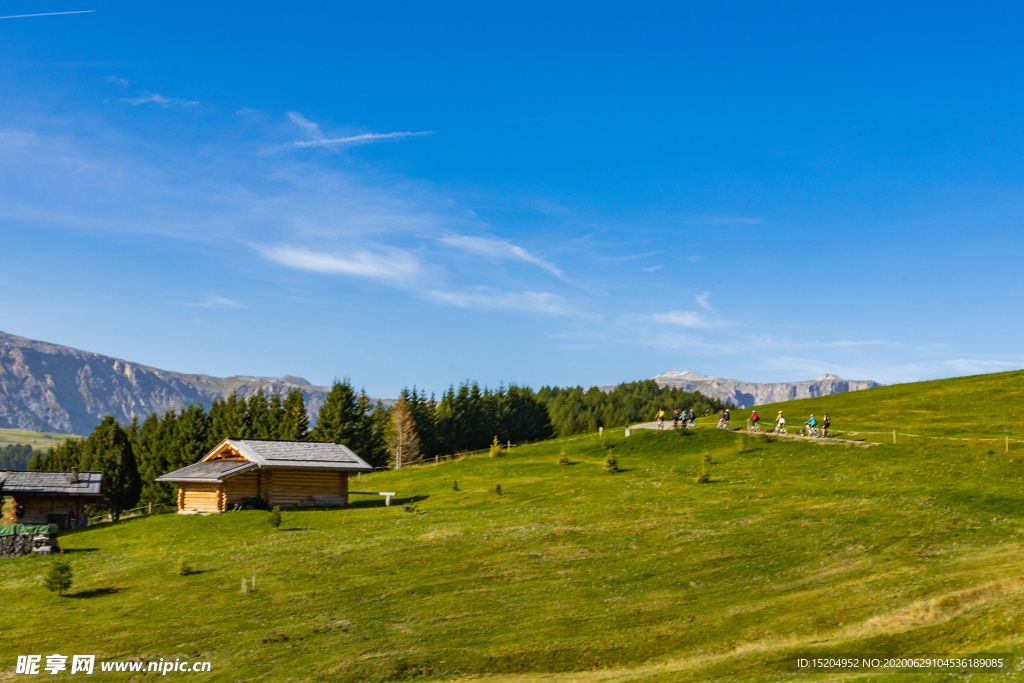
40,497
281,473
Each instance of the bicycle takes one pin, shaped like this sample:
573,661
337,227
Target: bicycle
724,424
755,428
828,434
780,429
810,431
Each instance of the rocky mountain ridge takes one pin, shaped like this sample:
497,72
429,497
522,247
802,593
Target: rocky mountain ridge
52,388
747,394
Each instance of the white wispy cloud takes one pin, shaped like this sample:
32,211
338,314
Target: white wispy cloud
122,82
305,125
360,139
48,14
703,300
385,264
651,269
487,298
159,100
498,249
312,130
216,302
690,319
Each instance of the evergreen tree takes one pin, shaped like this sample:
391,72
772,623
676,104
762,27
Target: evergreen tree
258,418
227,419
152,462
59,577
338,417
190,438
109,451
403,443
294,423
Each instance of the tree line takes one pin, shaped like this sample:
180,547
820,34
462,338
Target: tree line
15,456
414,427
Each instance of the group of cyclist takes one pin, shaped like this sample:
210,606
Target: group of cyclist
753,425
687,417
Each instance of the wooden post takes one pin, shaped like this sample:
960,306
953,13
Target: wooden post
510,445
150,511
254,580
437,459
894,436
1007,444
243,586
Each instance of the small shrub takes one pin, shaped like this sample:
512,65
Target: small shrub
181,567
455,485
611,464
275,518
497,489
704,477
563,459
606,444
58,579
495,450
707,459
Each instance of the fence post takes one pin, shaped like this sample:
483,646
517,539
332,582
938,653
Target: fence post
894,436
243,586
1007,444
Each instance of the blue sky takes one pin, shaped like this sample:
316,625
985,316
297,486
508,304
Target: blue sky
424,193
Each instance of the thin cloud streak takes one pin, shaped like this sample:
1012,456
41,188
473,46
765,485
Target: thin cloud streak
491,299
389,264
688,319
493,248
216,302
48,14
361,139
157,98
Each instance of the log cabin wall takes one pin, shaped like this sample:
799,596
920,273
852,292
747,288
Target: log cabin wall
291,488
201,497
245,485
48,509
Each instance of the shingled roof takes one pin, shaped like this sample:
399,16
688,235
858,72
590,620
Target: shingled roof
50,483
302,454
209,471
268,454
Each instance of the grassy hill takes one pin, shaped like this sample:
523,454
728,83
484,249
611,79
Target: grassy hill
979,406
577,574
37,440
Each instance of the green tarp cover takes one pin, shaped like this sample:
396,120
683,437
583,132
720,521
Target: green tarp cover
14,529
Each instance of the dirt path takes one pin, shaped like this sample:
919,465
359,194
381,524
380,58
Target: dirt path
845,442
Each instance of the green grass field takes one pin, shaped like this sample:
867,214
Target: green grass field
577,574
37,440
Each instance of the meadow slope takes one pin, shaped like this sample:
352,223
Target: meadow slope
573,573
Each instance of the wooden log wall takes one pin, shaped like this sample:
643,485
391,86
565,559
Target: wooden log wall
245,485
39,508
290,488
196,497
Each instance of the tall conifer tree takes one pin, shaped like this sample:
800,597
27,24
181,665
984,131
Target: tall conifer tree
294,423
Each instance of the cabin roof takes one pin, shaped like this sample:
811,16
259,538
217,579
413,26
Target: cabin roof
223,462
209,471
46,483
298,454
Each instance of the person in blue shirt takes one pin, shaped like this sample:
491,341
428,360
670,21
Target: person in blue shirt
812,423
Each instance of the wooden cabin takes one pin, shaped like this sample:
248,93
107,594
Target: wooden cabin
40,497
282,473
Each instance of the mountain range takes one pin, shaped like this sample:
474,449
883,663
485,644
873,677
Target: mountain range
52,388
746,394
